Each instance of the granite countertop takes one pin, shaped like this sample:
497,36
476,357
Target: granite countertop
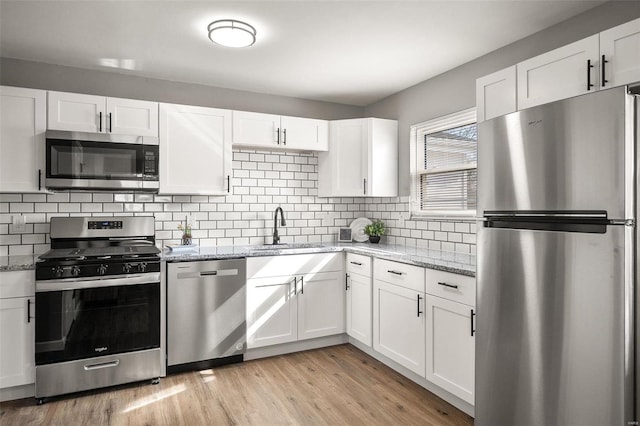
457,263
18,262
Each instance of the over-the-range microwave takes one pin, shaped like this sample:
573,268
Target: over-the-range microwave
101,161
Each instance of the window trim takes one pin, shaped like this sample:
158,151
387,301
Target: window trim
460,118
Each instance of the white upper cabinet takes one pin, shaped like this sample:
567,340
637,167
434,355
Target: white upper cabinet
132,117
305,133
562,73
620,55
99,114
256,130
195,150
362,159
496,94
252,129
22,139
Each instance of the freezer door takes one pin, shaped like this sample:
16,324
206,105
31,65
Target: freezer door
550,343
567,155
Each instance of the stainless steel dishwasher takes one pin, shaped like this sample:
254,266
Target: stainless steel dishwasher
206,320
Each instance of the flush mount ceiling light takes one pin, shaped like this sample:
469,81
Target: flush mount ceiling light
232,33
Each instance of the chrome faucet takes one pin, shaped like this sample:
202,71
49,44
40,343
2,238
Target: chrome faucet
276,237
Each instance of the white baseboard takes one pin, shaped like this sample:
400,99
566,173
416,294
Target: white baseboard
18,392
303,345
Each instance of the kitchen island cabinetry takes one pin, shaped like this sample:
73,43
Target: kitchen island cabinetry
359,294
98,114
17,333
22,139
195,150
362,159
257,130
294,297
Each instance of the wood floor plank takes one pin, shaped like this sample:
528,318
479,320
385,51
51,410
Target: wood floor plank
328,386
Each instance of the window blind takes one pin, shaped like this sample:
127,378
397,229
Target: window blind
445,168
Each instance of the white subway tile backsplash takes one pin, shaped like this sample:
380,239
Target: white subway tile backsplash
261,181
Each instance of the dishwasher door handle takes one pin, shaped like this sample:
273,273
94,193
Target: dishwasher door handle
198,274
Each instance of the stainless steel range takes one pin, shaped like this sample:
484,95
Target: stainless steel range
99,305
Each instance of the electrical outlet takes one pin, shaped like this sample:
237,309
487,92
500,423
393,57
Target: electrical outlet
19,222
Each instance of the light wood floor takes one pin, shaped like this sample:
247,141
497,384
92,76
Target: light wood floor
336,385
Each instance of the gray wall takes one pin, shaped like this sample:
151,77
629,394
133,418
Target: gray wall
455,90
37,75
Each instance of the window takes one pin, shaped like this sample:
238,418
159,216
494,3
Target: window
444,166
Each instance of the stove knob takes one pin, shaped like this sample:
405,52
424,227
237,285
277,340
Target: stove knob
126,268
142,266
75,271
102,269
57,271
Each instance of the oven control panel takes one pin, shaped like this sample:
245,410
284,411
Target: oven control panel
105,224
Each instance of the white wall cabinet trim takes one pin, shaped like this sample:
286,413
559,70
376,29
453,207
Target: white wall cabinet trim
23,122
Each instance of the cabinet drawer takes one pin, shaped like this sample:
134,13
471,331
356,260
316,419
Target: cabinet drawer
294,264
458,288
17,284
358,264
401,274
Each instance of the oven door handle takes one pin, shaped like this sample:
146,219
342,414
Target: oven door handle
96,282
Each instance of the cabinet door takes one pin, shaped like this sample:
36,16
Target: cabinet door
559,74
359,307
399,325
620,47
321,305
272,314
132,117
22,138
450,347
343,170
305,133
195,150
17,350
76,112
256,130
496,94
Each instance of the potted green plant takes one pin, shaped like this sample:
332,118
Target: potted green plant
374,231
186,233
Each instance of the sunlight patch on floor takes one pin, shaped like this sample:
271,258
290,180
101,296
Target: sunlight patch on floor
157,396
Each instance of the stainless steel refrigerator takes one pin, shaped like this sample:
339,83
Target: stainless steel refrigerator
557,304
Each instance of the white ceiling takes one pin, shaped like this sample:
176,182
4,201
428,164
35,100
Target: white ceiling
351,52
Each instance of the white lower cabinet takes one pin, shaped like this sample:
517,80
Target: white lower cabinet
359,294
296,297
398,325
17,328
450,346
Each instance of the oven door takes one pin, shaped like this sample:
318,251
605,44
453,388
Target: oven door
73,162
78,319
